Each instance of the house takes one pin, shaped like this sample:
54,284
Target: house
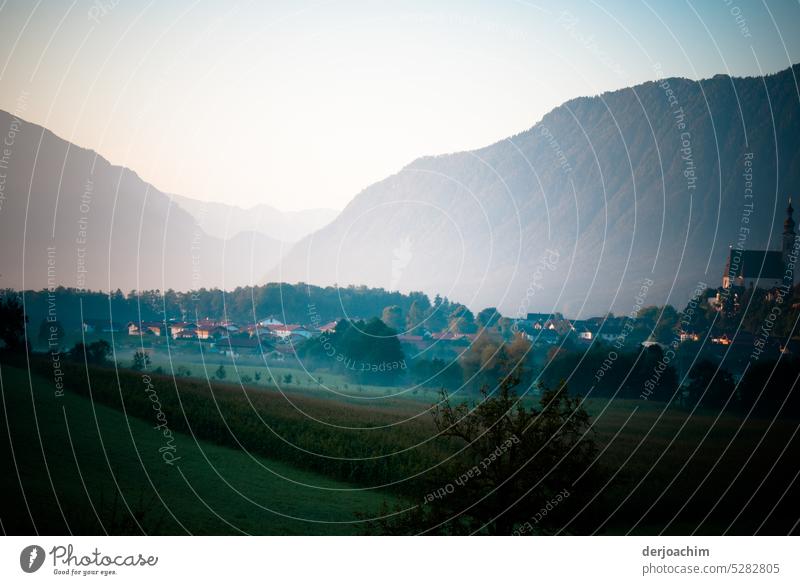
545,336
286,331
585,330
609,332
175,328
269,321
553,321
211,332
688,336
328,327
187,334
146,328
259,331
720,339
155,327
540,320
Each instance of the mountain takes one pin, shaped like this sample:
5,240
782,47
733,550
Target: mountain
605,193
68,217
225,221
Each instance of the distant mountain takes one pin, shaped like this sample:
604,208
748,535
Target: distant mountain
225,221
575,213
68,217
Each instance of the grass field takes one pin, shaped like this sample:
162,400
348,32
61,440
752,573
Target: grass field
684,471
88,448
272,372
664,469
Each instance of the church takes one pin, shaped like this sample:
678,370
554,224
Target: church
765,269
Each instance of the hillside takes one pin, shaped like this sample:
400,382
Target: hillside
87,449
574,213
69,217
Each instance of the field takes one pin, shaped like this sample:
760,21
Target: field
203,364
87,448
660,468
703,472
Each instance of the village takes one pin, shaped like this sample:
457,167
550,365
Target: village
271,339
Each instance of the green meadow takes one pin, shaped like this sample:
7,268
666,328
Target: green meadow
296,459
87,468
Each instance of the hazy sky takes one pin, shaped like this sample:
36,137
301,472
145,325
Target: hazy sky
302,104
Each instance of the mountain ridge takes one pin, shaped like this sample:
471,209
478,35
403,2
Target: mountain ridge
81,227
590,204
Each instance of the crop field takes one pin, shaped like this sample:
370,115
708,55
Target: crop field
90,469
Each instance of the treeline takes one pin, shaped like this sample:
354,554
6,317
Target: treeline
766,388
291,303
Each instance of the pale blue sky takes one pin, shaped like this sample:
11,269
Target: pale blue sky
302,104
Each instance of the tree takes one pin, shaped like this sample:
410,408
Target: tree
698,315
461,320
51,333
437,373
12,323
416,314
488,317
515,460
665,329
393,317
220,373
483,362
374,353
488,358
96,353
366,352
770,387
287,379
141,361
710,386
659,323
506,328
436,317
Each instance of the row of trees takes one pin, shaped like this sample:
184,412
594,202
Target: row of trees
298,303
440,316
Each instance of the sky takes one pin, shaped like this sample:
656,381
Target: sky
302,104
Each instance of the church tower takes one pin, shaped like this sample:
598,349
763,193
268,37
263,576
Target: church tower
789,238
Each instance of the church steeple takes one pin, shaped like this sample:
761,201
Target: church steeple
788,225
